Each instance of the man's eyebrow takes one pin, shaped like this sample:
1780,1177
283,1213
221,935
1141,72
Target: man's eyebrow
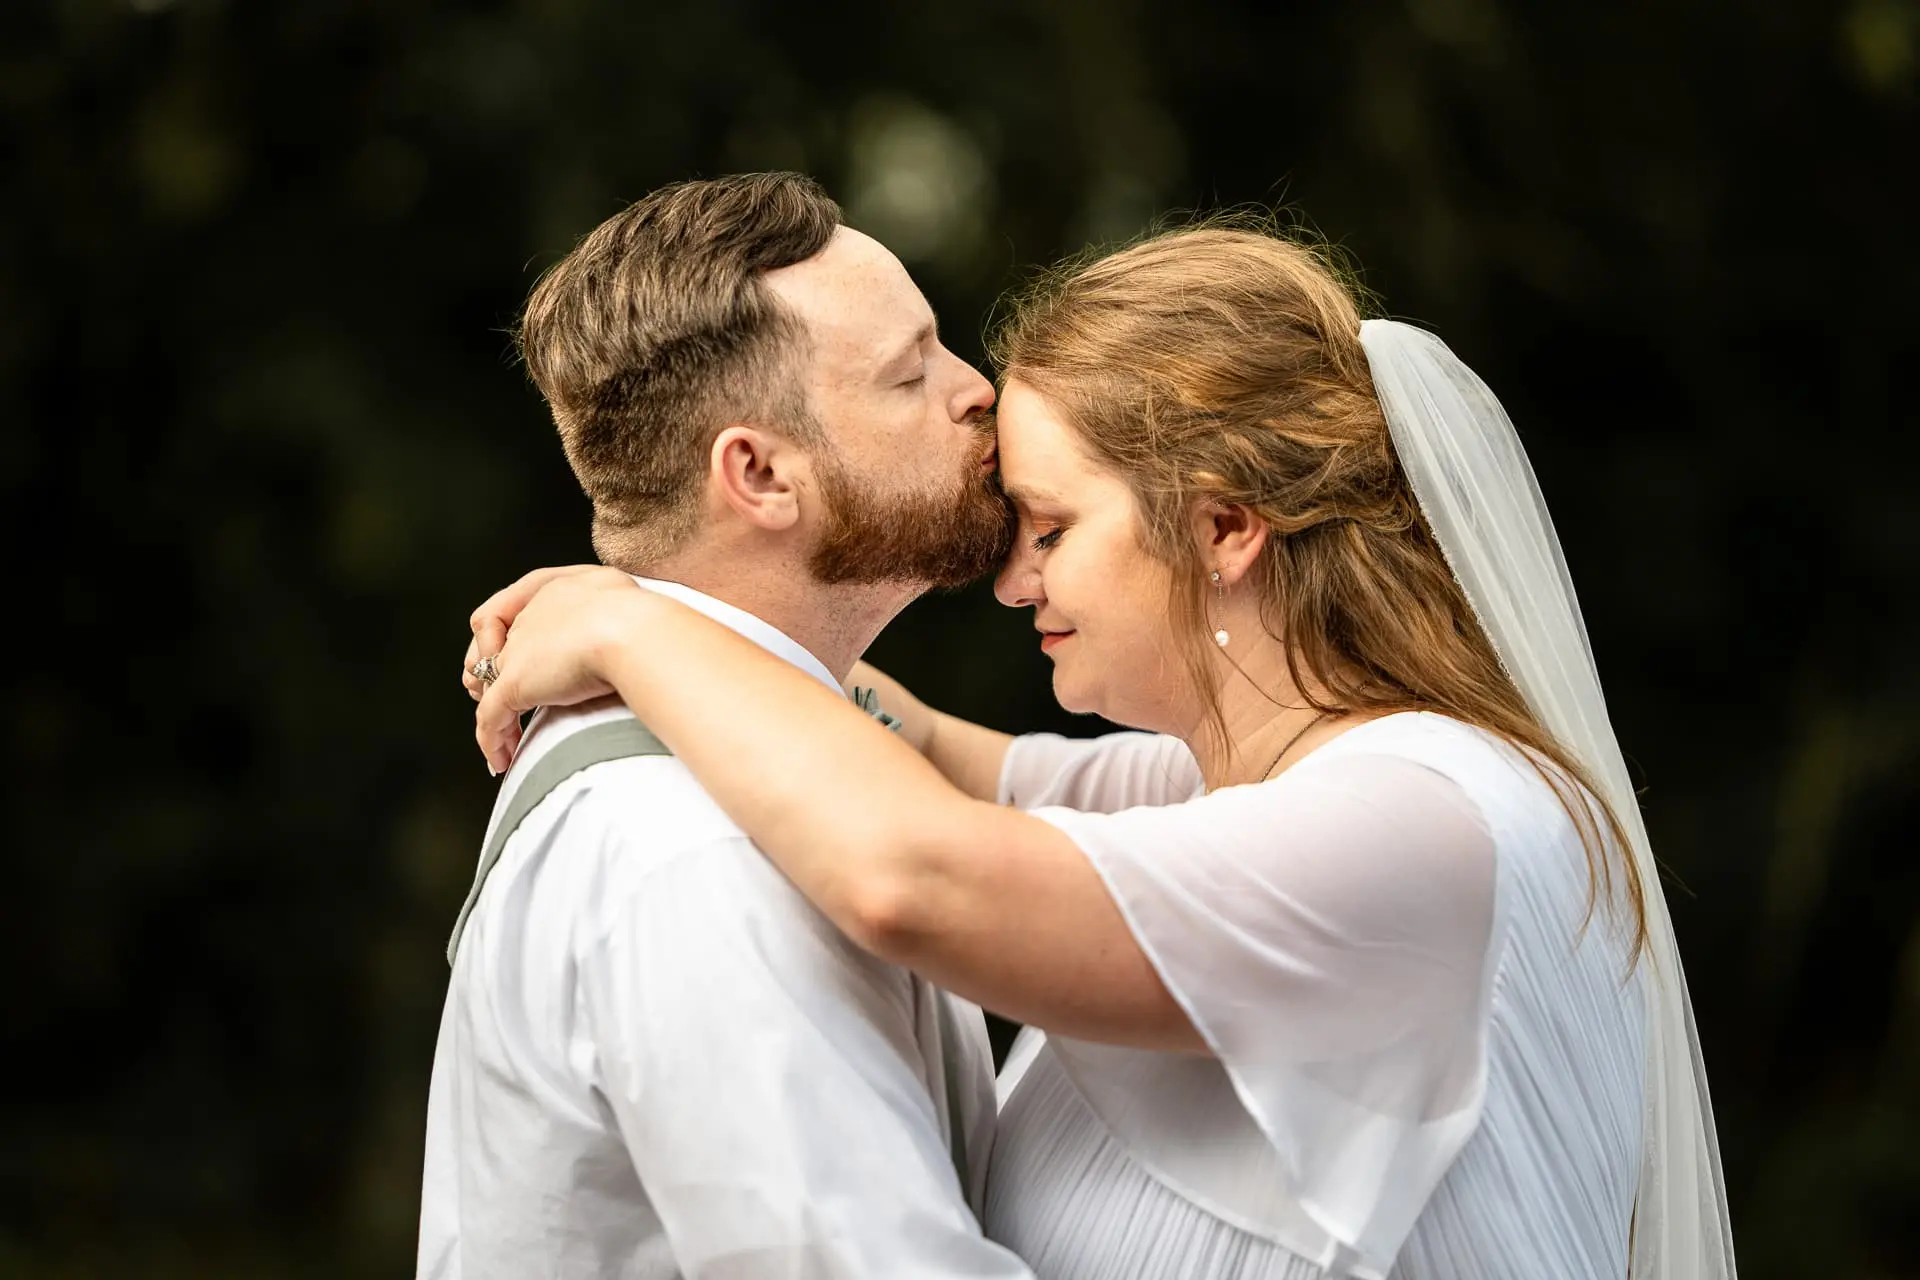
931,329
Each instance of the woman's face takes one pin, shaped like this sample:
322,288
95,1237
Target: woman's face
1099,600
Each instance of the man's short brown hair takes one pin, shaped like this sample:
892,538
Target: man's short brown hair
657,331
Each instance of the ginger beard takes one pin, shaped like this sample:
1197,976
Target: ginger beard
944,536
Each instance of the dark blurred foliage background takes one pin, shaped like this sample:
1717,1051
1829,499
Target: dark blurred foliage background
265,446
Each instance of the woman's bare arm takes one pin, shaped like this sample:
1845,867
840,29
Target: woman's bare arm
982,899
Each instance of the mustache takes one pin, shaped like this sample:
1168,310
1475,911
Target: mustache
986,438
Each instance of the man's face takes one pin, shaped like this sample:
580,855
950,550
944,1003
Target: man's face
907,478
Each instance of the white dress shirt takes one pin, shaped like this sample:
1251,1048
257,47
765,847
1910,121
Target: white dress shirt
657,1059
1426,1059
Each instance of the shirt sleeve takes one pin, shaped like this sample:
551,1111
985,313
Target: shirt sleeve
766,1079
1330,935
1097,775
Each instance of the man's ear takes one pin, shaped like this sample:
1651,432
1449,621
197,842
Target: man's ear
1230,537
756,472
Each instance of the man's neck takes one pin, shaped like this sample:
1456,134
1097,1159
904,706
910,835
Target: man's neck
836,624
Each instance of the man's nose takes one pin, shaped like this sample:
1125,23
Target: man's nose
974,397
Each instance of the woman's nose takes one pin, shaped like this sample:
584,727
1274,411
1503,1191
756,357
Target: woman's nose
1017,585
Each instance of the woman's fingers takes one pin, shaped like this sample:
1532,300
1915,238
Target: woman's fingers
468,680
496,724
492,620
505,604
543,656
489,638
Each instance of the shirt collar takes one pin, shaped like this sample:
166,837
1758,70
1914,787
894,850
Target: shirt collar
764,634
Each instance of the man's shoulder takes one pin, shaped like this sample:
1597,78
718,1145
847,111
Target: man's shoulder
606,783
647,802
639,834
651,850
635,818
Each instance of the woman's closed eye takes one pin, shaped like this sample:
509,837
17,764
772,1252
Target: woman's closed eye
1043,541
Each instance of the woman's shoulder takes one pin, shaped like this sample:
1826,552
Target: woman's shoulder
1440,742
1509,785
1414,733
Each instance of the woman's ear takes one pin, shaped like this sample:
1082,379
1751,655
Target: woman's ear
756,473
1230,537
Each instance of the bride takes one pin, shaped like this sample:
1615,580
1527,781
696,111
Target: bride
1356,961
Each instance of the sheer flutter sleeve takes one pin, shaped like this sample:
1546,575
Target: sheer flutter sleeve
1097,775
1330,935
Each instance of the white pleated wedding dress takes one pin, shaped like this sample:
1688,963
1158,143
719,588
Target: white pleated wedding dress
1423,1066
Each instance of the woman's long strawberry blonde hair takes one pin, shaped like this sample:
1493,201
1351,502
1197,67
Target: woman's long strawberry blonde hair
1222,363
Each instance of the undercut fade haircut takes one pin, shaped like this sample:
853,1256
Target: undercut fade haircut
659,330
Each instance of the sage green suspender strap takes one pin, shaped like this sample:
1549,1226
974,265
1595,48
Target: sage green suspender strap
613,740
620,740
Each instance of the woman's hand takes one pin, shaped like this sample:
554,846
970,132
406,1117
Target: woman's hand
492,620
915,717
554,639
967,754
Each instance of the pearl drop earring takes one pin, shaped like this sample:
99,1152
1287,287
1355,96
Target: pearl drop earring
1220,637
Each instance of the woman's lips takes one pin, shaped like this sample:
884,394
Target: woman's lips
1048,639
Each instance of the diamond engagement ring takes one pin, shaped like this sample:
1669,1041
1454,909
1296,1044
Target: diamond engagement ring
485,671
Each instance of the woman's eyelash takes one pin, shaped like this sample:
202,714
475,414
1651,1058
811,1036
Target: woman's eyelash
1045,540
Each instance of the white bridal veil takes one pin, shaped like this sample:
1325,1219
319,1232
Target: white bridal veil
1479,495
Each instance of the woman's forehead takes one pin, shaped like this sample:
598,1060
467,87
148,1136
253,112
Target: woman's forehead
1041,457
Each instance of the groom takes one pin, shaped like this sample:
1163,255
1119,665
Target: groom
656,1059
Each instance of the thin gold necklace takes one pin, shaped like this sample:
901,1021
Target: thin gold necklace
1288,745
